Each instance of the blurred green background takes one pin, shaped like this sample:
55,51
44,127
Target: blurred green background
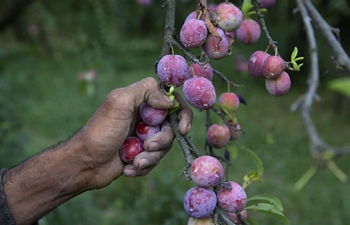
43,101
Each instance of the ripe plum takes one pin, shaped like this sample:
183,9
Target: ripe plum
249,32
199,202
173,70
143,130
199,92
229,17
214,48
193,33
131,147
255,63
230,100
278,86
218,135
273,66
206,171
152,116
232,200
206,72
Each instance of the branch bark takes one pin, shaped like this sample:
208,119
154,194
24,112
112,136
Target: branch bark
317,145
341,58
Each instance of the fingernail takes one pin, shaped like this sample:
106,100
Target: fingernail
189,127
143,163
153,146
166,97
129,173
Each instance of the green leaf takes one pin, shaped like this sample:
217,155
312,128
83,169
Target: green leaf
299,58
295,66
341,85
246,6
265,198
176,105
269,209
294,54
250,178
257,161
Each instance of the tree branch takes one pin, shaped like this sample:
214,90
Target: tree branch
341,58
317,145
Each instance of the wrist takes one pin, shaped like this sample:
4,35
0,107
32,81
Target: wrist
46,180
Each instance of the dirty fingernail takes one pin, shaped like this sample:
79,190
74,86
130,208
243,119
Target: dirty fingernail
143,163
129,173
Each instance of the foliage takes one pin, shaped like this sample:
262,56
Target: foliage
47,90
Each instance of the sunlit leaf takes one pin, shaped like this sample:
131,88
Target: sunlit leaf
265,198
299,58
246,6
341,85
294,54
295,66
269,209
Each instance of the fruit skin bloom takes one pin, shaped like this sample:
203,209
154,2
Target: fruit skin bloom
206,171
199,92
278,86
218,135
173,70
233,200
193,33
215,49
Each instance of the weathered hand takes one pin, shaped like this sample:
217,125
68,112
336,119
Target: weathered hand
114,120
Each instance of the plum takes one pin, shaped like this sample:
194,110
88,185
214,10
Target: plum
267,3
205,221
199,92
131,147
216,48
230,100
144,131
173,70
206,72
249,32
232,200
235,130
206,171
255,63
273,66
218,135
199,202
278,86
229,17
235,219
193,33
152,116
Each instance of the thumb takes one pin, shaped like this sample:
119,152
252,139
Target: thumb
148,90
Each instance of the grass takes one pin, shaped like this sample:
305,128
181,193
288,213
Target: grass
44,93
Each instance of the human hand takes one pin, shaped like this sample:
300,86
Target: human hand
115,120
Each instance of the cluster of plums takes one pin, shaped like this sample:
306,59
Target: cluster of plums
271,67
210,191
150,124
